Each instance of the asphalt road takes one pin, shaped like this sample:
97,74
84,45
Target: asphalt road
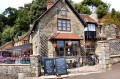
114,73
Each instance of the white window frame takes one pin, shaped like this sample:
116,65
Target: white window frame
90,27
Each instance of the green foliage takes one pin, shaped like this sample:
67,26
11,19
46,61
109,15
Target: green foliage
11,14
83,9
109,18
93,2
6,34
36,9
102,7
113,12
101,11
14,23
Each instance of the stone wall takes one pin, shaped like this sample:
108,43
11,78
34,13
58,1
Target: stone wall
28,70
102,51
114,59
14,69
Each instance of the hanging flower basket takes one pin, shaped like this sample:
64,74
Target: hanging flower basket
69,43
54,45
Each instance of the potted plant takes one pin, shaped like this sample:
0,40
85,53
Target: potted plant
1,58
10,60
25,59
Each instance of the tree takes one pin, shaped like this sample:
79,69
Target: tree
11,14
6,35
101,11
83,9
36,9
113,12
100,5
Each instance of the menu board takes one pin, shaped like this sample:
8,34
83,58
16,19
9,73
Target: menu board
49,66
61,67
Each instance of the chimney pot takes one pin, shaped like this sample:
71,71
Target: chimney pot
50,3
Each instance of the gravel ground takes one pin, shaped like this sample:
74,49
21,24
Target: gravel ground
114,73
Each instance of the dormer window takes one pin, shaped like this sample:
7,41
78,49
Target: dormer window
64,25
90,32
90,27
25,41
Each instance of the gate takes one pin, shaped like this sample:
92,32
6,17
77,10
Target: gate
54,66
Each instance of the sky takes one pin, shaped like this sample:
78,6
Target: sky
16,3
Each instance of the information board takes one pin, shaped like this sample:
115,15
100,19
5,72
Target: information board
49,66
60,66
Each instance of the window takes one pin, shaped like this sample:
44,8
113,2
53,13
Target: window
90,35
90,27
63,49
64,25
90,32
25,42
90,49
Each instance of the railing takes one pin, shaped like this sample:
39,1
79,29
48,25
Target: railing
15,60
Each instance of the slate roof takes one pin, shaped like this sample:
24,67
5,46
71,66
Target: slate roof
87,18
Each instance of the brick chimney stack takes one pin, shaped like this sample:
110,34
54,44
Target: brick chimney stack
50,3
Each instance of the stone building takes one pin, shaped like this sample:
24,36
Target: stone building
61,31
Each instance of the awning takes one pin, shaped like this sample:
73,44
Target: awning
67,36
19,48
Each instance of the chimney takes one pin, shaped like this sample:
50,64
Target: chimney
50,3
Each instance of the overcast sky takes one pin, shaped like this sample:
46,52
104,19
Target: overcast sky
16,3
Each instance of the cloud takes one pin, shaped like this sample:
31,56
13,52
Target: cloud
12,3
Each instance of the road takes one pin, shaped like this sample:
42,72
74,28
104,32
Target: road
114,73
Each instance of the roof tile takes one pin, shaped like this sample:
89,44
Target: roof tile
67,36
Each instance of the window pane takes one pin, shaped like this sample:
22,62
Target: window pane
64,25
60,43
64,21
59,28
60,48
68,22
68,29
91,27
68,25
59,21
59,24
64,28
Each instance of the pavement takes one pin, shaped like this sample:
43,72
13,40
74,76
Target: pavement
114,73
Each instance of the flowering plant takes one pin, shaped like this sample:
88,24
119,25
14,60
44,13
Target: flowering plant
1,58
11,58
25,58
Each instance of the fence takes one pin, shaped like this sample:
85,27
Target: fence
114,47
